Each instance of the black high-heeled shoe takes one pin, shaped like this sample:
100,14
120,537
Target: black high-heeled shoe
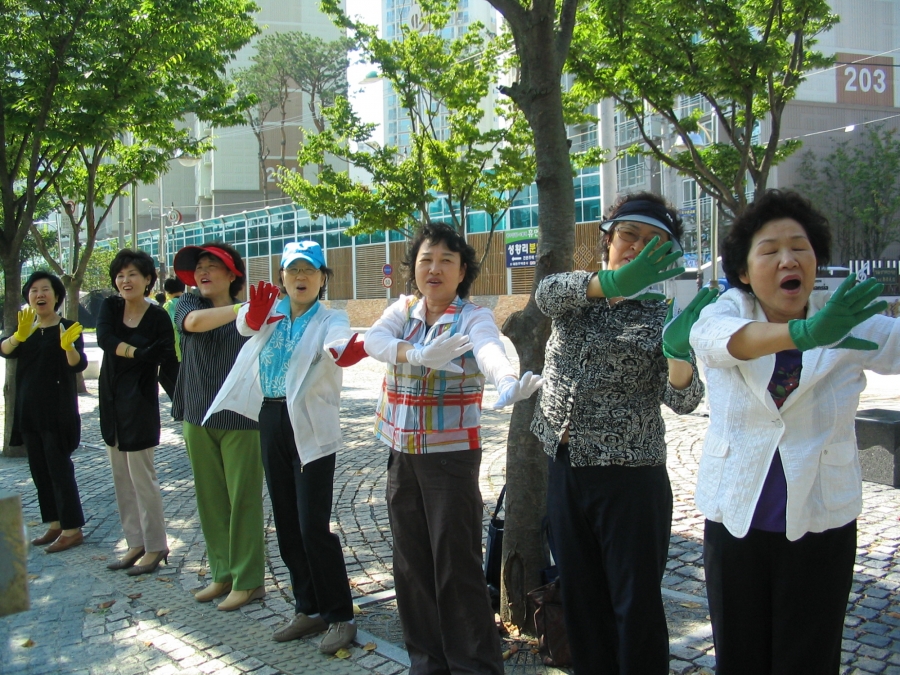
150,566
126,562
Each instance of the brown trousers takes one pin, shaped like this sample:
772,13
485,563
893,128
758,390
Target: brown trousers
436,511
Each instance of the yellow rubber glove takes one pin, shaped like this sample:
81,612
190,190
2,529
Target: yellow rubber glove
67,336
27,324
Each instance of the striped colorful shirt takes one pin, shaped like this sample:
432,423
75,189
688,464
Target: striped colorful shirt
421,410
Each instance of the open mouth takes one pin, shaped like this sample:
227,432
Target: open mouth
791,284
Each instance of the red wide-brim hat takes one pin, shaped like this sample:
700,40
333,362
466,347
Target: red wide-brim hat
186,262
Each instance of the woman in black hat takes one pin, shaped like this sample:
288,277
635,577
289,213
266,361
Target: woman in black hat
608,368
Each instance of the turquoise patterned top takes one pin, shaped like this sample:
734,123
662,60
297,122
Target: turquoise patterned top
275,357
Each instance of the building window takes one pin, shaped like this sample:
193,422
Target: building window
630,171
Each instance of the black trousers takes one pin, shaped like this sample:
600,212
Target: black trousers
301,505
54,479
610,527
435,509
778,606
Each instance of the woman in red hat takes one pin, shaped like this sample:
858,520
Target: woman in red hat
224,449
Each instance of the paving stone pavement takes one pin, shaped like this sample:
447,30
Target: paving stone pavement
86,620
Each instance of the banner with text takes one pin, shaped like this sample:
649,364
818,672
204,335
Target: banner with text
521,247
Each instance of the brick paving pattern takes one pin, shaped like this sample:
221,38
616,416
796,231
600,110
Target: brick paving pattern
85,619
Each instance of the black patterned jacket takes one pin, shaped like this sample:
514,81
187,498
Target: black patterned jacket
605,376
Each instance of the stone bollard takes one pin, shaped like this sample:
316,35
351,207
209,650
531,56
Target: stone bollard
878,441
13,556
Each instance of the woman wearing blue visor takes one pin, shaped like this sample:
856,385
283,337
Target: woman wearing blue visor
288,376
608,368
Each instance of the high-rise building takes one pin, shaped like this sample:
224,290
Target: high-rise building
229,179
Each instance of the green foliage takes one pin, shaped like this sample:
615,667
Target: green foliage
96,274
454,154
80,74
857,185
284,62
744,58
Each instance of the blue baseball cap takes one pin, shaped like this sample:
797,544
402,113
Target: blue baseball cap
309,251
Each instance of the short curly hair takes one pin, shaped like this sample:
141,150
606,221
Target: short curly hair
606,237
772,205
443,233
142,262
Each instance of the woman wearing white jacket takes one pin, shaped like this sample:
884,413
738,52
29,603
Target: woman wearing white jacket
779,479
288,376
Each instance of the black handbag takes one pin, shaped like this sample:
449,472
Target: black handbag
493,555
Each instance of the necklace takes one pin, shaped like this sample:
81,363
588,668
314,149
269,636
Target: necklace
53,326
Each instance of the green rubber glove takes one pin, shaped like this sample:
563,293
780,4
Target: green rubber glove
677,332
847,308
28,323
648,268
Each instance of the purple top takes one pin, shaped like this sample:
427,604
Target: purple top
770,510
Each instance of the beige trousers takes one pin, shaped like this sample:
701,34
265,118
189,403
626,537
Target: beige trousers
138,498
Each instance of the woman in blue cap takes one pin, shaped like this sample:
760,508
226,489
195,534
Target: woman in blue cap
288,376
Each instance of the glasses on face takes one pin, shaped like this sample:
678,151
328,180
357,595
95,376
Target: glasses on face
628,236
300,271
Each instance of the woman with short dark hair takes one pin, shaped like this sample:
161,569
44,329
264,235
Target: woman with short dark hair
779,479
609,366
138,344
440,349
49,350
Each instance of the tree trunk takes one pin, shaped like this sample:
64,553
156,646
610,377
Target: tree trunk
526,466
12,300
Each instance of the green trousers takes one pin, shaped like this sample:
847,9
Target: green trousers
228,480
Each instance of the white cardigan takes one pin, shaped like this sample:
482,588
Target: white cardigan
814,430
313,381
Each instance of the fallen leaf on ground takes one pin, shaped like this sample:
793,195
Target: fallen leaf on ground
98,557
89,610
28,643
165,580
342,654
201,573
32,577
162,612
32,523
509,652
691,605
107,604
370,647
356,610
135,596
896,615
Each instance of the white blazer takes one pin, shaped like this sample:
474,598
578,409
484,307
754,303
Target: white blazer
814,430
313,381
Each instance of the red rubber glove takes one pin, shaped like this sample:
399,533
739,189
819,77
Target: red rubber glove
262,299
354,352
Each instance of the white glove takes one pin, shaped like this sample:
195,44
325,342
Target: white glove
512,390
438,354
